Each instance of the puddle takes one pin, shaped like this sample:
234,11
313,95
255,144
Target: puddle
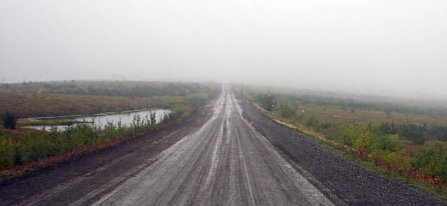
102,120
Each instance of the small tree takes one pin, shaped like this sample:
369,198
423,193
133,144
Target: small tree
267,101
153,118
9,120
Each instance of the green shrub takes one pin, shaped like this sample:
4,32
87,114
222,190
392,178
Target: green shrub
387,142
346,135
363,142
7,150
433,161
268,101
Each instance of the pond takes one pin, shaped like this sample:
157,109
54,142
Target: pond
101,120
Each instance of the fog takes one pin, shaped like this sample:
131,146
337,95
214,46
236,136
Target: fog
378,47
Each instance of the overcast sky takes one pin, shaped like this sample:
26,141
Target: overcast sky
385,47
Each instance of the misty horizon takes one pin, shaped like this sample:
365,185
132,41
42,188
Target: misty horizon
365,47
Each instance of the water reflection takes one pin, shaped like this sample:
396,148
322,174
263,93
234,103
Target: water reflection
101,120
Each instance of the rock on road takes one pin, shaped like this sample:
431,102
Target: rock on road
223,159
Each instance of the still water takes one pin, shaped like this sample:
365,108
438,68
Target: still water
102,120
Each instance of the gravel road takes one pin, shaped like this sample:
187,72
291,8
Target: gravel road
226,154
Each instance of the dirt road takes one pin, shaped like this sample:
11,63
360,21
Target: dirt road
228,154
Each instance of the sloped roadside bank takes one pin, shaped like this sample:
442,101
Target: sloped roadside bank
28,149
350,182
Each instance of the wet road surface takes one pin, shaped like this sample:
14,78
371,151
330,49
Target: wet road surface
226,162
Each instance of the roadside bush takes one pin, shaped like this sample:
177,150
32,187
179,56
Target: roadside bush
347,135
33,146
386,142
363,142
7,150
433,161
82,135
267,101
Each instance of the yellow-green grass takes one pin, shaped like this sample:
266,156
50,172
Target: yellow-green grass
39,105
340,115
349,116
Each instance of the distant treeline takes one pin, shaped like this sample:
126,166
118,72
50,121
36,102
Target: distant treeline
25,105
139,91
91,97
416,133
118,88
352,103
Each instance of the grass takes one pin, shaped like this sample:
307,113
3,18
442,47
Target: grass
109,88
344,115
43,105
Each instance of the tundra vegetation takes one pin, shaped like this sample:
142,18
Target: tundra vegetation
23,149
409,142
91,97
